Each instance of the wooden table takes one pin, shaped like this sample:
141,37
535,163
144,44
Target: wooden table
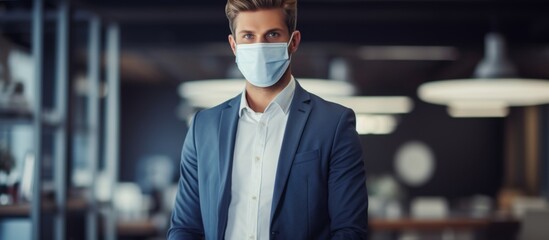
490,227
428,224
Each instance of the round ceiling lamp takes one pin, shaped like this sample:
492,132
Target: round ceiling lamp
208,93
228,88
494,88
375,115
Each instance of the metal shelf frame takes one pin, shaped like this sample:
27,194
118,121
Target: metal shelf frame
112,122
94,61
38,57
63,17
62,107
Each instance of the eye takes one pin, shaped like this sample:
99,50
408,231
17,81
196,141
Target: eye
273,34
248,36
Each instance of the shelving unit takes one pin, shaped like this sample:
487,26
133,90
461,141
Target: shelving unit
60,203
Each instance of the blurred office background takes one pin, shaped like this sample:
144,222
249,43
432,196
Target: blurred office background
95,98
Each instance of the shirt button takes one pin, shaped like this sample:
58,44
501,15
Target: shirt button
257,158
254,197
252,237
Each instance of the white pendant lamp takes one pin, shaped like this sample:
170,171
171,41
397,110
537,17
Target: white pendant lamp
208,93
494,88
375,115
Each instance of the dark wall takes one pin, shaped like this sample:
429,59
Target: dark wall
467,151
545,151
149,125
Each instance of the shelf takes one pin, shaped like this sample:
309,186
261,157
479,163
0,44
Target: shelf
12,120
23,116
136,228
436,224
22,210
14,112
15,210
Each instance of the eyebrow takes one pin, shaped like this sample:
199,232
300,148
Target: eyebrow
245,31
270,30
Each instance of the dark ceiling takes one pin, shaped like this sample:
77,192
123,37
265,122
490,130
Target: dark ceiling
169,41
447,22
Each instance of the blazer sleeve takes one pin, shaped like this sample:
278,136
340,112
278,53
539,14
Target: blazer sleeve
348,197
186,220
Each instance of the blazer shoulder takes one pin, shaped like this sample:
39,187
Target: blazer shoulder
317,102
215,112
327,107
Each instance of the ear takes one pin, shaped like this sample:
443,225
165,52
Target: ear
296,39
232,42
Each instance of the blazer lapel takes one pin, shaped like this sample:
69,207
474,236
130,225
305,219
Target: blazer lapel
227,134
299,113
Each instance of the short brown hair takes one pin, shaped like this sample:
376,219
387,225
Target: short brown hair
234,7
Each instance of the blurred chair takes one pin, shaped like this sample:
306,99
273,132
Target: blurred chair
535,225
129,202
520,205
429,208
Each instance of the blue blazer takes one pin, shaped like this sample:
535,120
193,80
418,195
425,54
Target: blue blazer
320,190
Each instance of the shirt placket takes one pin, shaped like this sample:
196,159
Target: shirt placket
257,164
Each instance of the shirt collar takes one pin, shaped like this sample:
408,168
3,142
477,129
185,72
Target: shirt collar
283,99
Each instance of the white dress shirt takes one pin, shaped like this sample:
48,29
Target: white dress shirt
257,148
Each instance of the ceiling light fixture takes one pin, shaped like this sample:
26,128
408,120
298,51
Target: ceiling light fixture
404,53
494,88
208,93
374,114
375,124
375,105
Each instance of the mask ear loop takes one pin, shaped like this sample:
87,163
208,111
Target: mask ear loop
291,38
289,42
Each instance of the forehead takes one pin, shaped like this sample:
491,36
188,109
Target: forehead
259,20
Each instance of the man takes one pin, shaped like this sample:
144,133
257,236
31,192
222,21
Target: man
275,161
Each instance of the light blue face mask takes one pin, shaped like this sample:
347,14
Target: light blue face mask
263,64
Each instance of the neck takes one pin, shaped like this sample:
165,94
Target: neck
259,98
